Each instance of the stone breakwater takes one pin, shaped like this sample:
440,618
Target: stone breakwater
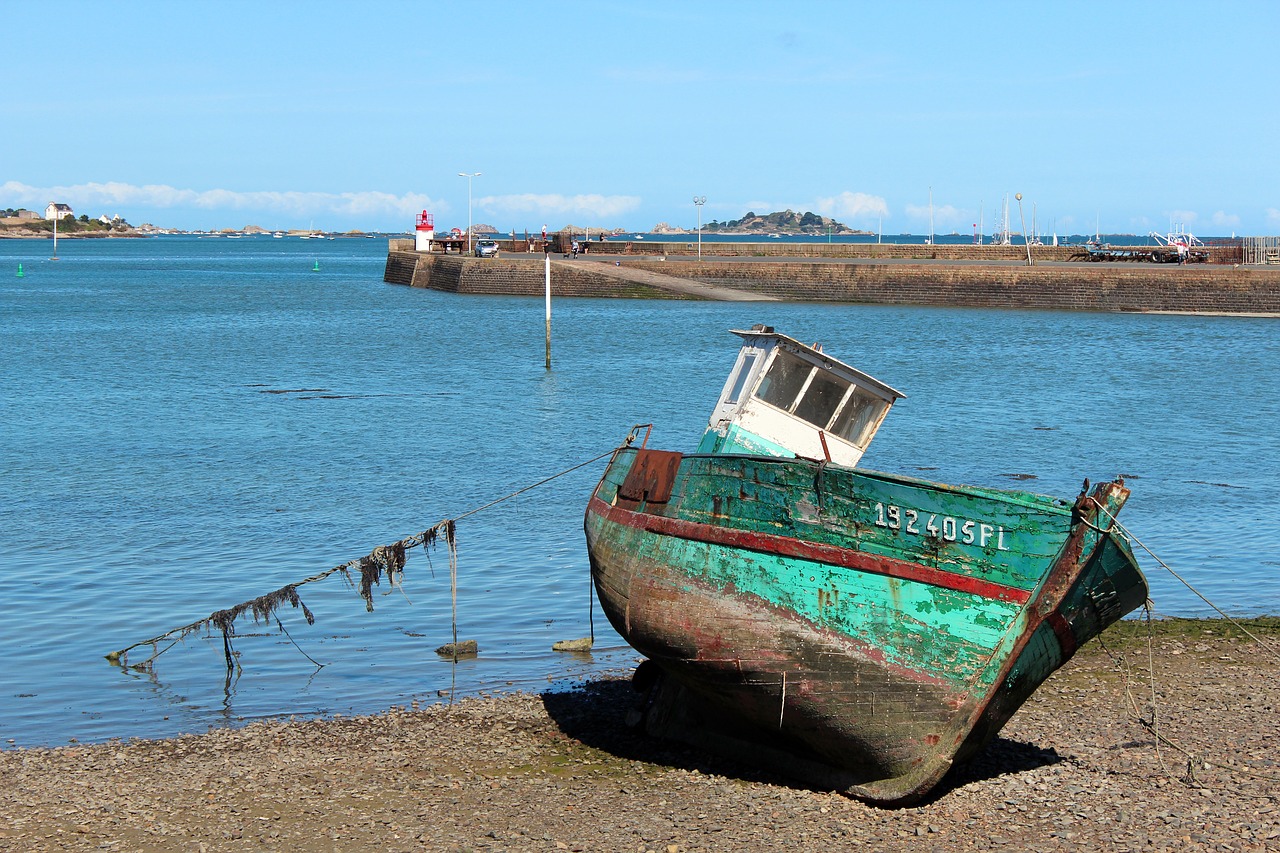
512,277
1050,286
779,249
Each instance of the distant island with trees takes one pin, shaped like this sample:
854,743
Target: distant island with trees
780,222
19,222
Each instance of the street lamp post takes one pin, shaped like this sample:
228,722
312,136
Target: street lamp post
1023,223
469,176
699,201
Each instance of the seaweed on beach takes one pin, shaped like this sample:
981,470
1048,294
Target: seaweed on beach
384,561
263,608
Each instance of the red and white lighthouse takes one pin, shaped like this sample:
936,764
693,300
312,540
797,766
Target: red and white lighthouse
424,232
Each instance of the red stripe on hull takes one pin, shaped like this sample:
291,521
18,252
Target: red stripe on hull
787,546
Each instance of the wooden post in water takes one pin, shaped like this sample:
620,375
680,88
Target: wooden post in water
548,257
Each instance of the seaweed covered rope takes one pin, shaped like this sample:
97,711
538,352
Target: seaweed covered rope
383,561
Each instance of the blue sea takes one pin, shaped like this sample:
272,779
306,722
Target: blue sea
191,423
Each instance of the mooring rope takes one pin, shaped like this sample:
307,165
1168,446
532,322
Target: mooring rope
1153,725
1128,534
385,559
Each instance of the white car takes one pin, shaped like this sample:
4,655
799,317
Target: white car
486,249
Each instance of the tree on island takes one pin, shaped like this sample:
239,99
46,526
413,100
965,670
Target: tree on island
786,221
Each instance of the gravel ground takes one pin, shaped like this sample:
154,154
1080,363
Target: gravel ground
1074,770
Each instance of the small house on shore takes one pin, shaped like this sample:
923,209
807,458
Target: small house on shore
58,210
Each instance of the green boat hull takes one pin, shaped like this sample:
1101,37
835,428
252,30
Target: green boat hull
861,631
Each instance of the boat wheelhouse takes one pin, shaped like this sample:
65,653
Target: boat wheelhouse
785,399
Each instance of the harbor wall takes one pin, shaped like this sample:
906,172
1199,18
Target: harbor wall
1084,287
1087,287
908,251
510,277
560,243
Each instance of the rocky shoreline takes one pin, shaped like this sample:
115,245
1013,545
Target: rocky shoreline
10,234
1080,767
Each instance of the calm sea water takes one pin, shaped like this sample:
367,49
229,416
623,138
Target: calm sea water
190,423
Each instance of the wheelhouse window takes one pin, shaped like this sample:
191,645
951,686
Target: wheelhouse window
821,399
784,379
858,417
735,393
829,402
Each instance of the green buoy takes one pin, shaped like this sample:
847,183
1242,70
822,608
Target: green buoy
21,274
316,268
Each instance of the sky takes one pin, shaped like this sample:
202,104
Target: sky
1119,117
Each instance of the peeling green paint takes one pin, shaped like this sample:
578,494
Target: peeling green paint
936,599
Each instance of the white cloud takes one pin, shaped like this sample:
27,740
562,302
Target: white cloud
595,207
946,216
1182,218
759,207
852,206
1225,220
1273,216
122,196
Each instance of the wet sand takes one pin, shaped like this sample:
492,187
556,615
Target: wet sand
1078,768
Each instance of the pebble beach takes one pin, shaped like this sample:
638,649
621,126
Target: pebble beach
1084,765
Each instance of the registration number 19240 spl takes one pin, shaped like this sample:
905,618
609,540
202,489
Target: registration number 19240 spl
944,527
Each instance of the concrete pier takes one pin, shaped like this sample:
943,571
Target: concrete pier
959,279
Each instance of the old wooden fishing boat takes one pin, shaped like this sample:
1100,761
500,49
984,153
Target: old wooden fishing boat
861,631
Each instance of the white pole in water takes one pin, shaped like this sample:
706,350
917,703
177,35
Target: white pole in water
699,201
931,216
548,257
1023,222
469,177
55,237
